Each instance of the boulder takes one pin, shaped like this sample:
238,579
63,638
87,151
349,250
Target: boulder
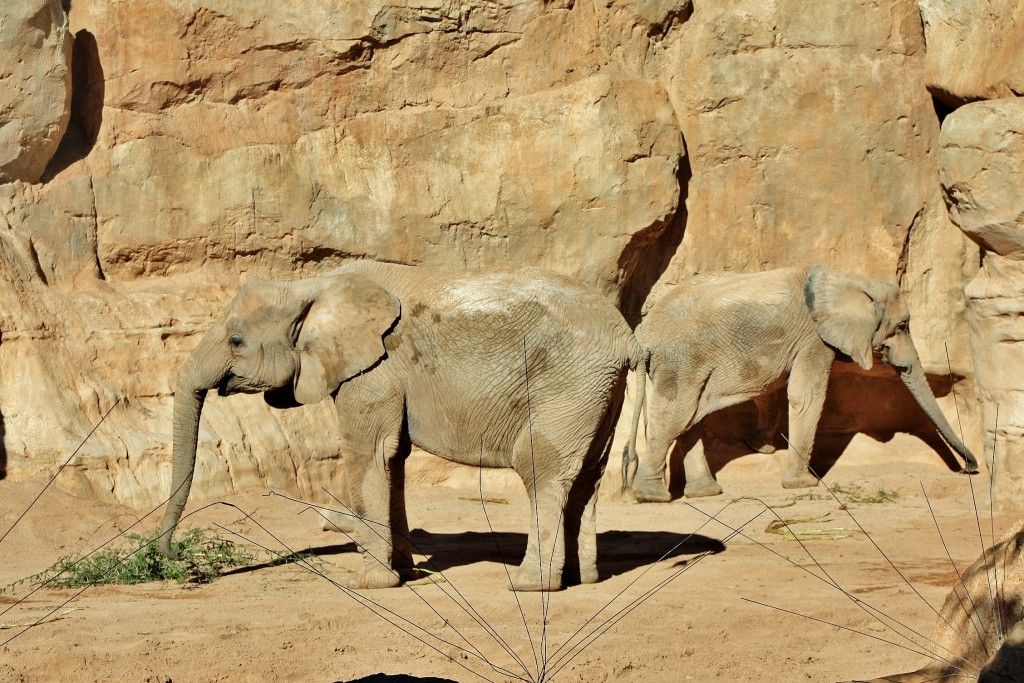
975,49
982,171
35,86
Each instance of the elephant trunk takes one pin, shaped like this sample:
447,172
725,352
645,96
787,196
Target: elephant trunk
204,370
912,375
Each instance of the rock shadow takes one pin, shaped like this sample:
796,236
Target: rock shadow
87,93
650,251
3,449
873,403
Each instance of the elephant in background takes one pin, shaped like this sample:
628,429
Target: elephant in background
519,369
727,338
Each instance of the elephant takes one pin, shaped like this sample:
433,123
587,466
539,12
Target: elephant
726,338
520,368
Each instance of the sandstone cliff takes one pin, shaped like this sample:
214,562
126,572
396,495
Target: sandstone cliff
629,143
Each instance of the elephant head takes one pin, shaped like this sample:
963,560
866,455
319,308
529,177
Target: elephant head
861,316
297,341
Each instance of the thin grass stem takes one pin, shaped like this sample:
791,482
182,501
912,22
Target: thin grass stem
504,564
866,607
366,602
960,579
593,636
905,580
853,630
468,608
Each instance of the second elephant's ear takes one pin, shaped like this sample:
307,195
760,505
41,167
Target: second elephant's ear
342,334
847,310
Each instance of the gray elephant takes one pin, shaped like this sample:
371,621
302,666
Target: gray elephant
727,338
510,369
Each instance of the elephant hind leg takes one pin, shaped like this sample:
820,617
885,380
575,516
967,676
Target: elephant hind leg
581,514
699,480
670,418
548,476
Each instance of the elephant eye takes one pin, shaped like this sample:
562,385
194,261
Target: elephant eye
901,326
235,341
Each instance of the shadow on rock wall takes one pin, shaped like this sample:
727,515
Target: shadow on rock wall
87,92
3,450
649,253
874,403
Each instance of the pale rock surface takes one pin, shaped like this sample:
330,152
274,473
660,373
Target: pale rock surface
982,164
35,86
975,49
211,140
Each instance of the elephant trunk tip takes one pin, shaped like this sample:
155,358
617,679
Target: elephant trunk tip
166,537
970,465
165,546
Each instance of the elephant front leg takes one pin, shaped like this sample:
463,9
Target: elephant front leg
808,382
385,553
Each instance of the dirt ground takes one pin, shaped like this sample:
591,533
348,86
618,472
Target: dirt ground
283,623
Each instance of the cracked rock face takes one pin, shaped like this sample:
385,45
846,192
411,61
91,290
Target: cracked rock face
35,86
975,49
982,164
628,144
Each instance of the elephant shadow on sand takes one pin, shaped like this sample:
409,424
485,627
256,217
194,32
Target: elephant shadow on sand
620,551
397,678
874,403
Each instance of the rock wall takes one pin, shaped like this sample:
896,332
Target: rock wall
982,153
629,143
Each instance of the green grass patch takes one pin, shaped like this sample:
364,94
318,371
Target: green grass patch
202,557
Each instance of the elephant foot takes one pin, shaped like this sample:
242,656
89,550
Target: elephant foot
766,448
588,574
799,481
524,580
652,492
702,488
377,577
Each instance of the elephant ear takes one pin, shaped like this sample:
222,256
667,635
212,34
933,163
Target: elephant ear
847,310
342,335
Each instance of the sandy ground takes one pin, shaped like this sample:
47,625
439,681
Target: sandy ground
283,623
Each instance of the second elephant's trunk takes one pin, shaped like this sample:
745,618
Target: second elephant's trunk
912,375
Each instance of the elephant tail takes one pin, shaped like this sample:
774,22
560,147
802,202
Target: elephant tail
629,456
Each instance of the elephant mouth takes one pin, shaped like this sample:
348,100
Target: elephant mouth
231,384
